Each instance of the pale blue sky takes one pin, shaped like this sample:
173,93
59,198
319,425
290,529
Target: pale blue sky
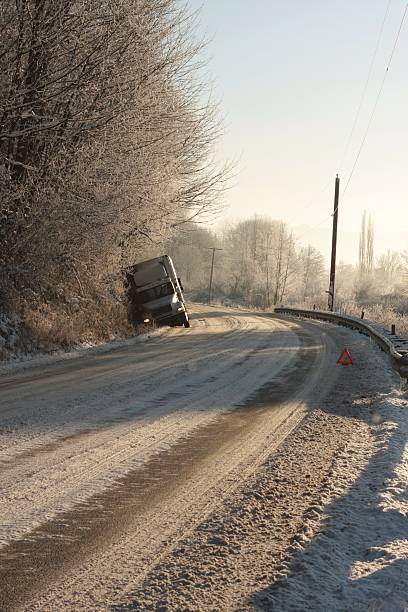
289,74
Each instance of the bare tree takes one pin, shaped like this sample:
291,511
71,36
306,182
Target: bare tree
259,261
106,138
362,250
312,271
370,245
366,245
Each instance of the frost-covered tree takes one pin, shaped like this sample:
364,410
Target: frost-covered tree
366,245
106,139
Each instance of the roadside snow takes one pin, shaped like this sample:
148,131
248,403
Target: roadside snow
322,525
319,525
357,558
9,332
23,362
71,433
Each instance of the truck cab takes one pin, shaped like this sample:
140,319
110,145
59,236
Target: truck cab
155,291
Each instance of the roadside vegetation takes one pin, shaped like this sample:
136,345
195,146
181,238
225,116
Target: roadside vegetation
262,264
107,137
107,132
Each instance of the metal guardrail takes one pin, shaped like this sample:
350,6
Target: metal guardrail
386,341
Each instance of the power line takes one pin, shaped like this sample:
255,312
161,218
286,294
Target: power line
311,202
363,94
376,101
356,118
360,149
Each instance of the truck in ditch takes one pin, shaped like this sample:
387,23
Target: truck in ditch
155,293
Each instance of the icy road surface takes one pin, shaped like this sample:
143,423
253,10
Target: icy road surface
231,466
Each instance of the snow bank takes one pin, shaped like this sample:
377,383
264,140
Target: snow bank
358,559
17,362
9,332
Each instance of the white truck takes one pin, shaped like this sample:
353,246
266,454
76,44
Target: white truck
154,293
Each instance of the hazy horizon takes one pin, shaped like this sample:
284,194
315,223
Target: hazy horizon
320,238
290,78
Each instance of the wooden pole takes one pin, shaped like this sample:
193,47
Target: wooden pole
213,249
334,245
211,276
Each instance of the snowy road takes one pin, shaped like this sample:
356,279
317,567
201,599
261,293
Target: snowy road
140,479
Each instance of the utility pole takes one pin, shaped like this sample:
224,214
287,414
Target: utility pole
267,296
213,249
334,245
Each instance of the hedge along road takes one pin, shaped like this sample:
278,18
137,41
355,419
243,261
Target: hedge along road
109,460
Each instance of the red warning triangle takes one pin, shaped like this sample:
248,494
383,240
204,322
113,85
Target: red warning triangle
345,358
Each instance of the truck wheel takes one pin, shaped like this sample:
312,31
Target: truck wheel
129,312
131,315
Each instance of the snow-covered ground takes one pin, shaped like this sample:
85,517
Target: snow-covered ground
322,525
292,536
296,501
357,558
20,362
9,332
72,431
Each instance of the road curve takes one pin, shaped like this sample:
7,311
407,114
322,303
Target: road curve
108,461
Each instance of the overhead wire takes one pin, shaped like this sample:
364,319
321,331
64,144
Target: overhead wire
311,202
355,121
378,96
358,112
364,91
376,100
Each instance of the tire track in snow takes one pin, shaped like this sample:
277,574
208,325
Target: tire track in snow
237,440
45,483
